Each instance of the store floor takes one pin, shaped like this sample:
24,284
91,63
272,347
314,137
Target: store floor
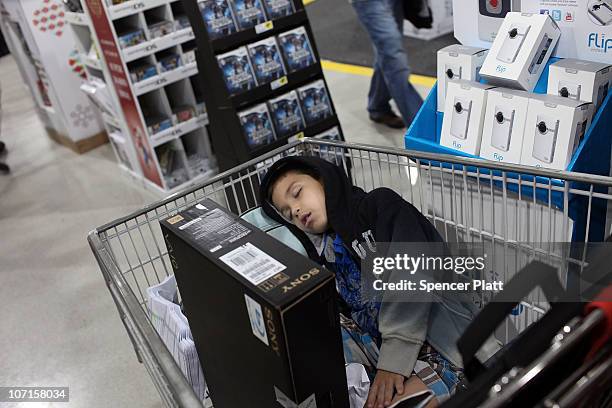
59,324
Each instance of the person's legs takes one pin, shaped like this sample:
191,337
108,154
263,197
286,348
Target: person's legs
382,22
378,96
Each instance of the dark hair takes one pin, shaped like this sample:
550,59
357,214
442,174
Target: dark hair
290,167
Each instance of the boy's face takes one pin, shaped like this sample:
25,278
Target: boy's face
301,200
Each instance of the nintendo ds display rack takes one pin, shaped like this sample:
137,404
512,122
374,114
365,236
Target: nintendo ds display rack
142,52
264,86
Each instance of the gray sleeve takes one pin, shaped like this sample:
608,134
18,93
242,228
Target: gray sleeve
403,326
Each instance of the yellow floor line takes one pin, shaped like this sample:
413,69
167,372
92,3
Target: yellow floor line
307,2
367,71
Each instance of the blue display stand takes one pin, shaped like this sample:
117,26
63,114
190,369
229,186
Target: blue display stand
592,156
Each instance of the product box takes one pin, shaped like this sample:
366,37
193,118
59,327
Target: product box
458,62
255,304
257,126
586,27
286,114
332,134
266,60
161,29
580,80
142,72
157,124
170,62
297,52
315,102
237,71
278,8
464,110
504,125
441,13
476,23
182,22
520,51
248,13
189,57
183,113
554,128
131,38
218,18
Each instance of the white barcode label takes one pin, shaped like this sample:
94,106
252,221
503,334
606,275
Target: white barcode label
252,263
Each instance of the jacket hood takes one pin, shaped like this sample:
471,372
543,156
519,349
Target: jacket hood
341,197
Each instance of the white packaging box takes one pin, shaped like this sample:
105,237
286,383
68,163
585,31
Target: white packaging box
463,116
586,27
458,62
504,125
520,51
442,21
476,23
555,127
580,80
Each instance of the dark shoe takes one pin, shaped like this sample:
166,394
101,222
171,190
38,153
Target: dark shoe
389,119
4,168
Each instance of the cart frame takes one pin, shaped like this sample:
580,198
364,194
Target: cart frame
132,245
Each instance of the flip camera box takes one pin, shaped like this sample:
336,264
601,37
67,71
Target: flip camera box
264,318
555,127
586,26
458,62
463,116
476,23
580,80
504,125
520,51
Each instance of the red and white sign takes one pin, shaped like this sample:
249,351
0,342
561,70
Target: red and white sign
111,54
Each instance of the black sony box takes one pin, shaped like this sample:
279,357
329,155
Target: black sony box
263,317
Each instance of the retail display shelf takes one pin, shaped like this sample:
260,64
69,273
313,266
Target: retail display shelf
132,7
278,87
76,18
310,131
259,32
91,62
117,137
178,130
157,44
110,120
165,78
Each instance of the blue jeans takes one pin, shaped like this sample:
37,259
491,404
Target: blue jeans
383,20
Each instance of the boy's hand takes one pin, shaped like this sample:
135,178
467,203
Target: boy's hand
384,387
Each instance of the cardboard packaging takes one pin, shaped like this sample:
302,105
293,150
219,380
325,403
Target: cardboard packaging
504,125
586,27
580,80
463,116
476,23
520,51
442,21
264,318
458,62
491,14
555,127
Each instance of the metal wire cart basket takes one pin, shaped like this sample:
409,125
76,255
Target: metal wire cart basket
468,200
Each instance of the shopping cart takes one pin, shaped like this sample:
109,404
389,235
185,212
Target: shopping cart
468,200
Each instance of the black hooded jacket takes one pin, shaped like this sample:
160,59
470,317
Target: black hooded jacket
361,220
351,212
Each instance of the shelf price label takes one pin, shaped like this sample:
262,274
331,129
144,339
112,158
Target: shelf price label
296,137
282,81
263,27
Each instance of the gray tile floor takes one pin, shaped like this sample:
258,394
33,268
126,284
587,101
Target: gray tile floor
59,324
